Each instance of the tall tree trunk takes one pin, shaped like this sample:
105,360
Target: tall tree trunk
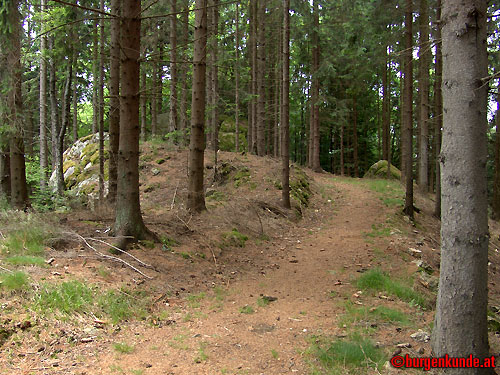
355,136
173,67
159,77
424,56
278,95
43,103
496,180
315,135
342,150
214,120
66,107
252,127
101,109
407,135
95,75
209,130
142,103
183,71
19,191
310,143
438,109
460,327
261,74
29,113
75,105
154,84
237,80
4,173
196,195
129,223
54,108
285,112
114,101
388,120
385,108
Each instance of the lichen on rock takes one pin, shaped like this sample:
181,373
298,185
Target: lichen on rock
81,167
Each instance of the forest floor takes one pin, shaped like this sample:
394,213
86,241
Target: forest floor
244,288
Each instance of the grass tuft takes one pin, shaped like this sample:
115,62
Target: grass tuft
380,313
25,234
75,297
262,302
26,260
122,347
14,281
247,309
377,280
351,355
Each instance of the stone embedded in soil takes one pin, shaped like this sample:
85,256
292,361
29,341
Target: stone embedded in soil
414,252
420,336
262,328
404,345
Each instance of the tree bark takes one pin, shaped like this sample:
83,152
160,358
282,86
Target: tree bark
315,135
183,72
424,57
438,109
285,111
214,118
75,104
43,103
142,103
196,195
278,95
5,173
460,327
114,101
355,136
154,84
495,204
407,135
19,191
252,39
385,108
237,80
61,132
95,75
261,75
173,68
129,223
101,109
54,108
342,150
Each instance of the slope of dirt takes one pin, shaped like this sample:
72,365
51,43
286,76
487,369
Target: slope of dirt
209,287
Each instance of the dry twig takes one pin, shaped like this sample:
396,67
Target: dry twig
173,199
110,257
5,269
122,251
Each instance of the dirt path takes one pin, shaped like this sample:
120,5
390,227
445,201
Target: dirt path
212,334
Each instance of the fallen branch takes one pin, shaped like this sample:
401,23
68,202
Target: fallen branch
5,269
121,251
105,256
173,199
213,255
183,222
